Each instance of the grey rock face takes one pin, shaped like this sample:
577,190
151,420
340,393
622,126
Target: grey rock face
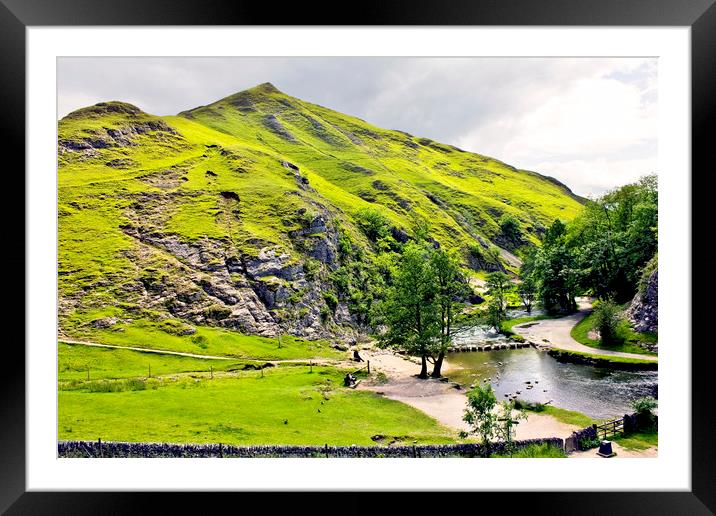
643,312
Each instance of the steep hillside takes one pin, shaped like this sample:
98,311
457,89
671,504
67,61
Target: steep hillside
265,214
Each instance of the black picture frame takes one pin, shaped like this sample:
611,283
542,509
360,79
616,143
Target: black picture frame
17,15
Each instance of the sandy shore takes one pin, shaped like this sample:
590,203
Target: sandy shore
441,400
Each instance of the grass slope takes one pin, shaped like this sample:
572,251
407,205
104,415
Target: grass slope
222,174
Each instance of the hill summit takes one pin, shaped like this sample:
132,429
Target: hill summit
265,214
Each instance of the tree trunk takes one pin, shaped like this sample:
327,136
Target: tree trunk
424,369
438,365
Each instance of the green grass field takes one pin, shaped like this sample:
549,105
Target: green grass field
287,405
625,334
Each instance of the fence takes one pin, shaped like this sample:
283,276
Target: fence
100,449
587,438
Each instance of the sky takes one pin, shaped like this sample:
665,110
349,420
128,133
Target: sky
589,122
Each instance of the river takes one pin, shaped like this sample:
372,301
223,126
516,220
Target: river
598,392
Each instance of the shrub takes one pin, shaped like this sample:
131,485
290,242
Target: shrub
606,321
373,223
510,227
331,300
217,311
645,418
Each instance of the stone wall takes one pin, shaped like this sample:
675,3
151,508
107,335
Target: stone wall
97,449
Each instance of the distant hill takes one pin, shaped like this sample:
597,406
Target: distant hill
264,214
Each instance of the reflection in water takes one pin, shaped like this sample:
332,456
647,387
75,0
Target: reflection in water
597,392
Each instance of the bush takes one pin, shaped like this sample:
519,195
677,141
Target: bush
217,311
331,300
510,227
373,223
645,418
606,321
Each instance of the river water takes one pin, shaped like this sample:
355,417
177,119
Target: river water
597,392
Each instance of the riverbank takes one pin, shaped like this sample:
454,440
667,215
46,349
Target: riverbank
441,399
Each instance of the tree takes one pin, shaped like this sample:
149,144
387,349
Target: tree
451,291
480,414
495,314
606,320
527,290
411,308
498,285
555,271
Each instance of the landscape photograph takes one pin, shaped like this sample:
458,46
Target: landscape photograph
357,257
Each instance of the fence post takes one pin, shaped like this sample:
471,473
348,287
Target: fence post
368,366
221,450
99,442
326,449
88,373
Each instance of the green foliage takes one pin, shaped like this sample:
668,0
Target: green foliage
411,315
373,223
331,300
615,238
553,270
527,290
480,414
606,320
510,227
644,408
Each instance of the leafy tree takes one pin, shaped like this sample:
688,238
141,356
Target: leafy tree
498,285
480,414
606,320
555,272
615,237
495,314
411,308
450,294
527,290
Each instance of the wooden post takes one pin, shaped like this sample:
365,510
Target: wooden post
326,450
150,371
262,372
310,364
368,366
99,442
221,450
88,373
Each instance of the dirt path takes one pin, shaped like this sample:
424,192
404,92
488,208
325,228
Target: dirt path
556,333
315,361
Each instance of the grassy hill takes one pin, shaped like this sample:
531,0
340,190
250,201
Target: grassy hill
264,214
